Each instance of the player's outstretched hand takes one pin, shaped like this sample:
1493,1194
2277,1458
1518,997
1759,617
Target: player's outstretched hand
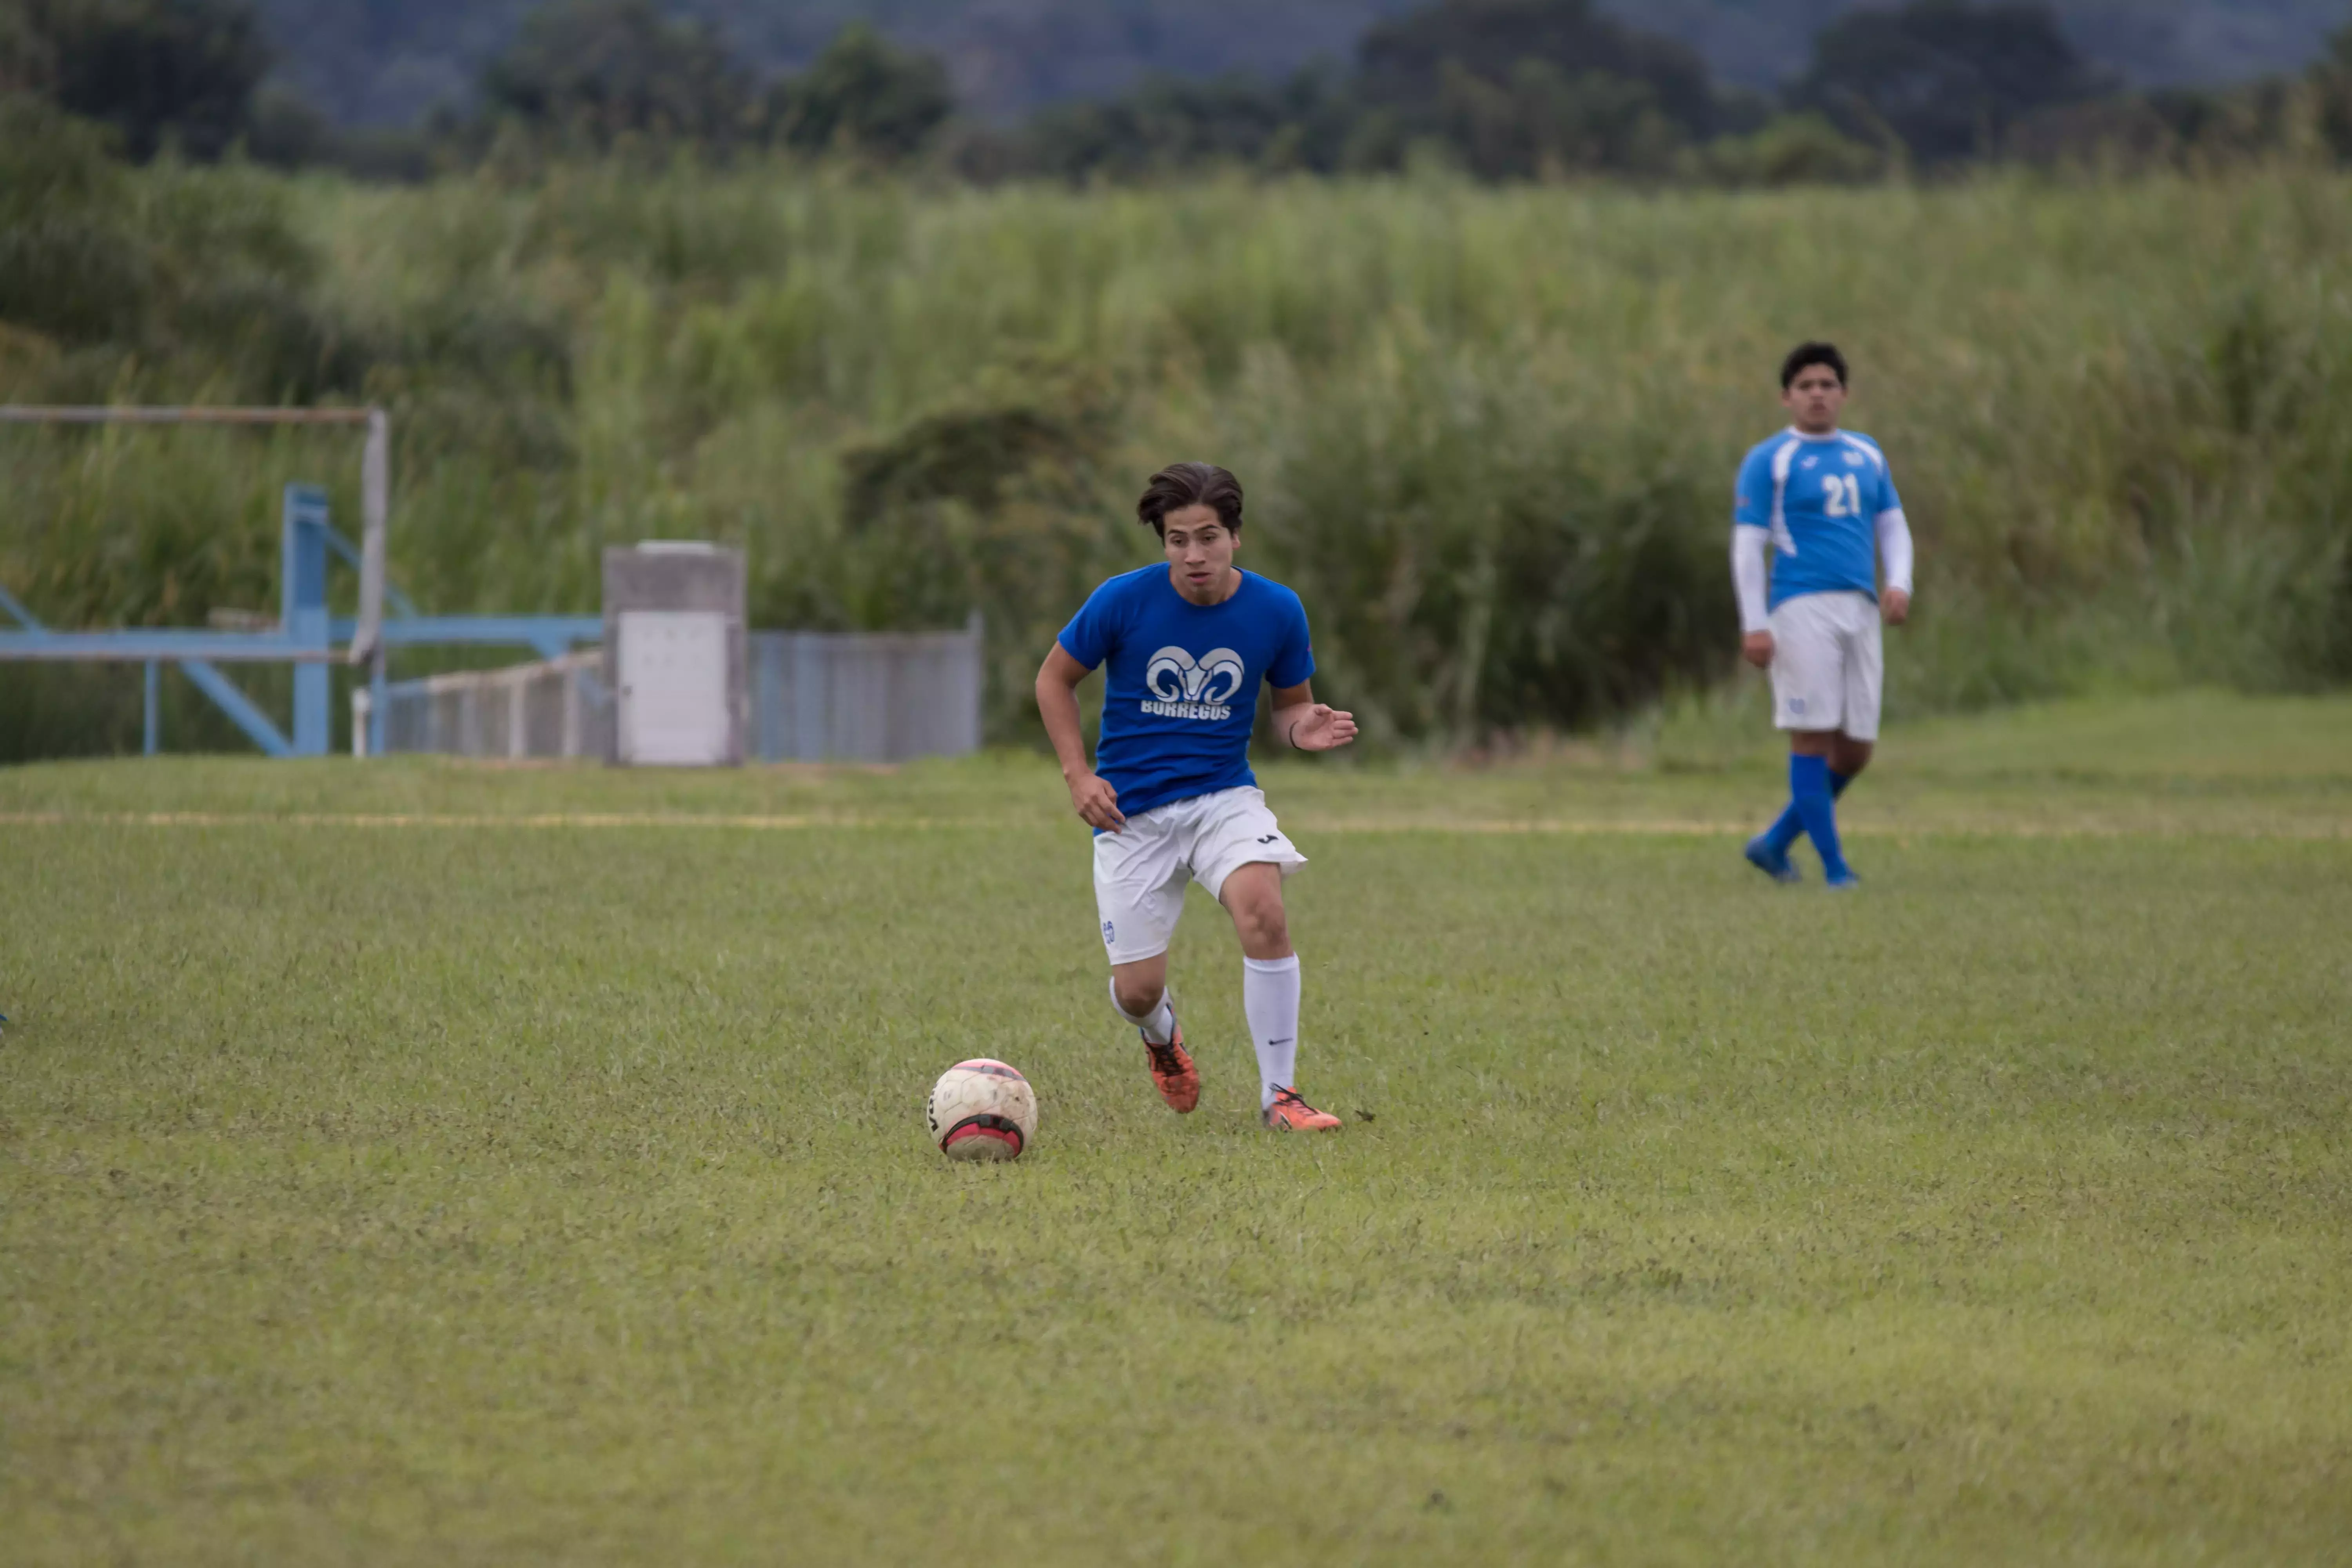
1097,802
1323,729
1896,606
1756,647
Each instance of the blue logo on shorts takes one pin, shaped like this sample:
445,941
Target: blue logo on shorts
1110,933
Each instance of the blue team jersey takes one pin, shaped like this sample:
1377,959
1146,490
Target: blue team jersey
1820,497
1182,680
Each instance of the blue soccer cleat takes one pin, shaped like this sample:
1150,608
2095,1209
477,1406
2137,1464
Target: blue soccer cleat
1773,863
1845,884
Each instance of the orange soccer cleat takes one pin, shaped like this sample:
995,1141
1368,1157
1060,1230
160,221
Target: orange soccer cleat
1288,1113
1172,1072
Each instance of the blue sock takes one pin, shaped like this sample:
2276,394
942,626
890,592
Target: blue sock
1809,782
1782,835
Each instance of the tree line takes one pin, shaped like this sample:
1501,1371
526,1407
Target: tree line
580,76
1504,89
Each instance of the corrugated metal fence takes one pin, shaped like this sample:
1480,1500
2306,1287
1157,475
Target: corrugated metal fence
863,697
815,697
555,707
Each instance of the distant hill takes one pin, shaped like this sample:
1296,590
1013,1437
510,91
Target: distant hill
1758,43
376,61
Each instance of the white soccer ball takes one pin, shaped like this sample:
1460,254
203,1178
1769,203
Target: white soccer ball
982,1109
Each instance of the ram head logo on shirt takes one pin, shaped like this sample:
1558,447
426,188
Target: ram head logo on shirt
1174,676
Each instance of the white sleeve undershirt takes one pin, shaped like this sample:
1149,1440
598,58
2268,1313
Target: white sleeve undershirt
1750,547
1894,548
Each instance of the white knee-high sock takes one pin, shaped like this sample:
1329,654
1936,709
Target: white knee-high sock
1159,1025
1270,998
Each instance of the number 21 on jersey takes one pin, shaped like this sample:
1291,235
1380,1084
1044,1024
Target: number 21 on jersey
1845,495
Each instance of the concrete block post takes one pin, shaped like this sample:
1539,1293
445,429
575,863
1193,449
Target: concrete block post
676,657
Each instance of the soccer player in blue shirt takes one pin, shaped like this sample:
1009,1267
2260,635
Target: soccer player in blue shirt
1170,796
1819,504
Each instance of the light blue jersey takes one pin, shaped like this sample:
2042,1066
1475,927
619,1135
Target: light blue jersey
1821,498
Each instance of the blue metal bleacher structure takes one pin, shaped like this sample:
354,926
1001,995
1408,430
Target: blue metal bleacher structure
308,634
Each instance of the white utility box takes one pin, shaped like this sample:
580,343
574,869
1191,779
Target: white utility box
675,654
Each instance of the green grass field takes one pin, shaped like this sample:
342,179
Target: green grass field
423,1163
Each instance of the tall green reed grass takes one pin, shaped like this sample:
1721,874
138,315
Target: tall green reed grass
1489,433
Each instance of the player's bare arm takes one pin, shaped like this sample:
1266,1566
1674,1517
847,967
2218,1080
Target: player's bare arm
1091,795
1308,725
1185,645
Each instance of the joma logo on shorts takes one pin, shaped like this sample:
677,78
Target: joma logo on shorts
1185,688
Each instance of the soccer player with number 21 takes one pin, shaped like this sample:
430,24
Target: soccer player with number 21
1819,504
1171,795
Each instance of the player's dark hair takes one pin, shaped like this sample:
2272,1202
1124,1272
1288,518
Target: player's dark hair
1808,354
1180,485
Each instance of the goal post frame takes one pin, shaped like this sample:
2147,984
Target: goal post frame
376,477
306,632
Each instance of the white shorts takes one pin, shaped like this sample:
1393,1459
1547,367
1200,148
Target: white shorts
1829,665
1141,871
